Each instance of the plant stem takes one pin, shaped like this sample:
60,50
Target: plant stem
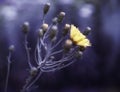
8,71
27,52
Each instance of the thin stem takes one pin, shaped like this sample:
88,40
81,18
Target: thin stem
57,43
37,52
47,32
56,63
8,71
27,52
56,52
43,20
57,68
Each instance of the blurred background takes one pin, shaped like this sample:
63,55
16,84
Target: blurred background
99,68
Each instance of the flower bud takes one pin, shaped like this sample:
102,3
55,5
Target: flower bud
87,31
11,48
66,29
53,31
40,33
33,71
46,8
25,27
44,27
61,16
55,20
68,45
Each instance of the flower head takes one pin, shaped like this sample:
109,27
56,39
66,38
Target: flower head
78,38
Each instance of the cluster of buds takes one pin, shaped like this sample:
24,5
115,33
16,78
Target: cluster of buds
47,34
73,44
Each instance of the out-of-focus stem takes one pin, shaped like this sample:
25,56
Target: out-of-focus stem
57,68
8,71
56,52
27,52
57,43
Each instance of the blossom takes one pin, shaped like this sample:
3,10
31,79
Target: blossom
78,38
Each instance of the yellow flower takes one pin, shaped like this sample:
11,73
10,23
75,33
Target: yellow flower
78,38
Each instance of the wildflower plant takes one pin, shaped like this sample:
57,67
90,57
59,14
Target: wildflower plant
72,43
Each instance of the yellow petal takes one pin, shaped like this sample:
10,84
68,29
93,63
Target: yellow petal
73,31
84,43
78,37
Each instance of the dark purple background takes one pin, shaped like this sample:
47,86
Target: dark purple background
97,71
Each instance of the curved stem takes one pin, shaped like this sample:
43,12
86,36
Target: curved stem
57,43
57,68
27,52
8,71
43,20
56,52
45,35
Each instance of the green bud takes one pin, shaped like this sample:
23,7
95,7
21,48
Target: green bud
61,16
25,27
87,31
44,27
55,20
46,8
66,29
67,45
53,32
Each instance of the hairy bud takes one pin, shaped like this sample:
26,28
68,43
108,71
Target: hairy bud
61,16
55,20
67,45
53,32
46,8
44,27
25,27
87,31
66,29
